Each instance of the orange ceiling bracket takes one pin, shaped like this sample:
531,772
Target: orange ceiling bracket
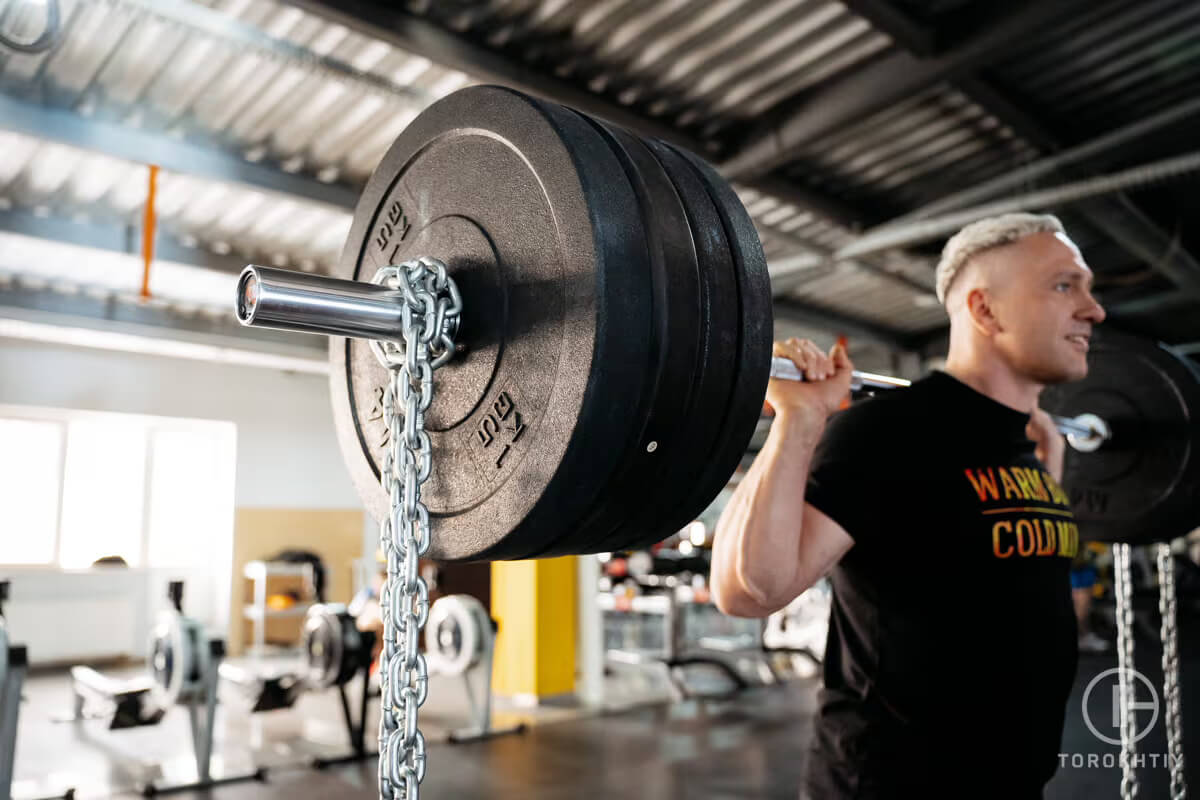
148,222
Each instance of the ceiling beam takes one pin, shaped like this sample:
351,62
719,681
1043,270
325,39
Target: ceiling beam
116,238
1150,304
885,16
1101,152
141,146
839,323
897,75
813,254
93,311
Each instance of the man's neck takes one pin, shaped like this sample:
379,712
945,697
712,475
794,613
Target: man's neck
997,381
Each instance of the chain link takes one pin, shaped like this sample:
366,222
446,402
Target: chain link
1127,685
430,317
1170,664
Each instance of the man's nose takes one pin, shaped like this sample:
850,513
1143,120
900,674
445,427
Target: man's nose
1093,311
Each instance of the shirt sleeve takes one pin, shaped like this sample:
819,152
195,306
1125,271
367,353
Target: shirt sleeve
846,480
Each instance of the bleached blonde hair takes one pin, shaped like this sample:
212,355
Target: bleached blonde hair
984,235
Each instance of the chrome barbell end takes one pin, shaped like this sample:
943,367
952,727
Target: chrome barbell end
297,301
1095,432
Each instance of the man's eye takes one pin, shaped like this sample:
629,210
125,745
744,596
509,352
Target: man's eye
1062,287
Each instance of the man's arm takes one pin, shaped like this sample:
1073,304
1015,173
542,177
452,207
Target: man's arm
1051,446
770,544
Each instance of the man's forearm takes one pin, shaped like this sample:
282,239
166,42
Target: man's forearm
1054,463
757,548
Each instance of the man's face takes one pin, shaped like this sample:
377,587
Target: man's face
1044,308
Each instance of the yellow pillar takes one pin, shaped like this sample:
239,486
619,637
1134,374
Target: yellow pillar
533,603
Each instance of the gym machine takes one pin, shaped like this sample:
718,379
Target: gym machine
333,653
14,662
183,664
460,640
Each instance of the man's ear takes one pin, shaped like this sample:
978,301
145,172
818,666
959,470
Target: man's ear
980,307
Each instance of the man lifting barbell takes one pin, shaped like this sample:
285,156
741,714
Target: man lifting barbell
938,515
601,340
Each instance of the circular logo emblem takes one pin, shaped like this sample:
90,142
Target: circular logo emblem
1111,677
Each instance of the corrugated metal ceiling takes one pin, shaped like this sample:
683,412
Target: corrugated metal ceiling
167,66
908,153
285,87
700,64
210,79
1111,66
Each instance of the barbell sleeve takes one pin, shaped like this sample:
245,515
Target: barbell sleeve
1081,432
295,301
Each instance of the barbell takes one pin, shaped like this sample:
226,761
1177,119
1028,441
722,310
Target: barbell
1084,431
615,342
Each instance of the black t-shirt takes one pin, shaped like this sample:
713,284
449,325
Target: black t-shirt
952,636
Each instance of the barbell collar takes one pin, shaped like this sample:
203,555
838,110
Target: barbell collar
295,301
1085,432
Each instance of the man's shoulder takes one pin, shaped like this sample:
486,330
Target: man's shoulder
890,418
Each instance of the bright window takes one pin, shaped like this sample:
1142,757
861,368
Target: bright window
78,486
30,461
191,495
103,492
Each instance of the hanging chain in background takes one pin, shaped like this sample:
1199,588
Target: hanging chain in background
1170,663
432,305
1127,684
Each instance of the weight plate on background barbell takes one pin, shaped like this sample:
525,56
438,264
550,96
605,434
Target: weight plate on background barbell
331,644
516,197
1143,485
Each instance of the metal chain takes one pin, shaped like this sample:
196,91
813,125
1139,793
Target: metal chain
1170,663
1127,686
432,306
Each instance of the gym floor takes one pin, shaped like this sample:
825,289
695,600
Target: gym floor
751,747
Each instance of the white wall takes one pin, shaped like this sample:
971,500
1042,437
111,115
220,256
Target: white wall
287,457
88,614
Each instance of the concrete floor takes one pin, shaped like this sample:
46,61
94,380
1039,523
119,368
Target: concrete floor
750,747
55,754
